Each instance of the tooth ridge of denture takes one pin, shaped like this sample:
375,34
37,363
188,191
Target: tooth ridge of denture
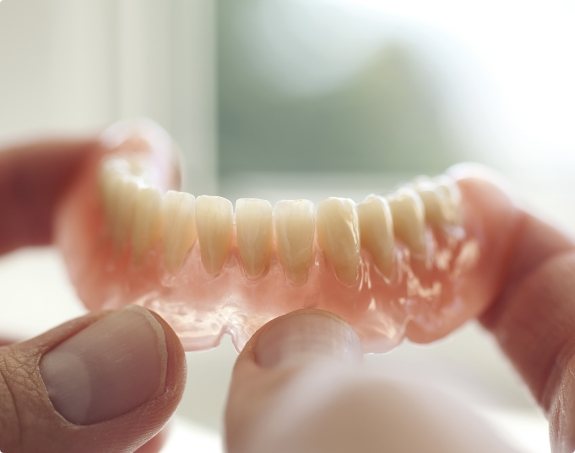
123,209
178,227
408,215
376,232
440,198
340,226
254,235
146,220
294,229
338,237
214,223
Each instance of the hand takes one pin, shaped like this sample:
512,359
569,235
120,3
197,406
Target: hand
106,382
299,385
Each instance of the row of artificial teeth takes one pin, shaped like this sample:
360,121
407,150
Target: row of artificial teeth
341,228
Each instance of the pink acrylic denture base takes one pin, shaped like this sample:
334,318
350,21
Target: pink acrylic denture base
429,297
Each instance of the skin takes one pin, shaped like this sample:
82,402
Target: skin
277,378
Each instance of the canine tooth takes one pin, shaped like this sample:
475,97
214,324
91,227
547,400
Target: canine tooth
146,220
294,223
376,231
254,234
408,219
338,236
214,223
179,227
123,210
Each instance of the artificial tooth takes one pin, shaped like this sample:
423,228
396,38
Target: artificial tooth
254,234
408,219
438,200
294,222
447,189
376,231
179,227
109,186
146,220
338,236
214,222
123,210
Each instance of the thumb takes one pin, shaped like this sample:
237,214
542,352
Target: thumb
283,382
299,386
103,382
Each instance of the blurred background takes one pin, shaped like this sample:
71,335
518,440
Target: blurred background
286,98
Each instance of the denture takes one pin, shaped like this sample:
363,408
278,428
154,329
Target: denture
414,263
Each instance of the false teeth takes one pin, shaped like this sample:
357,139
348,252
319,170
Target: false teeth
338,236
376,231
146,220
254,234
178,227
214,222
294,222
408,219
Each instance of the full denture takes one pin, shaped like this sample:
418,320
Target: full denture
395,265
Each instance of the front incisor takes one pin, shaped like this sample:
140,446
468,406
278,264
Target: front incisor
214,223
376,231
338,237
294,222
408,219
254,235
178,227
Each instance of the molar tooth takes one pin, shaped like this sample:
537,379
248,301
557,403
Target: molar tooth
294,222
408,219
338,236
179,227
146,220
254,234
214,222
376,231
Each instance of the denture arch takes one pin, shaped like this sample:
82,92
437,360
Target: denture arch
211,267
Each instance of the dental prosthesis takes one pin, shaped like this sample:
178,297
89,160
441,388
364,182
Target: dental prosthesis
416,263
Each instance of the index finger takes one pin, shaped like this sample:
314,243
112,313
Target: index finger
532,315
33,178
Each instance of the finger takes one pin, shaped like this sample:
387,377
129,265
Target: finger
5,342
533,313
103,382
155,444
299,386
33,178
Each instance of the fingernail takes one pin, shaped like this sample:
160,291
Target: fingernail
107,369
306,336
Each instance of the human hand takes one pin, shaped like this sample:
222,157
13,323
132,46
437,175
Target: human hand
279,397
299,384
106,382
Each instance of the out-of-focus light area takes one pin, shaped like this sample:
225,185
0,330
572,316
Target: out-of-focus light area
370,88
